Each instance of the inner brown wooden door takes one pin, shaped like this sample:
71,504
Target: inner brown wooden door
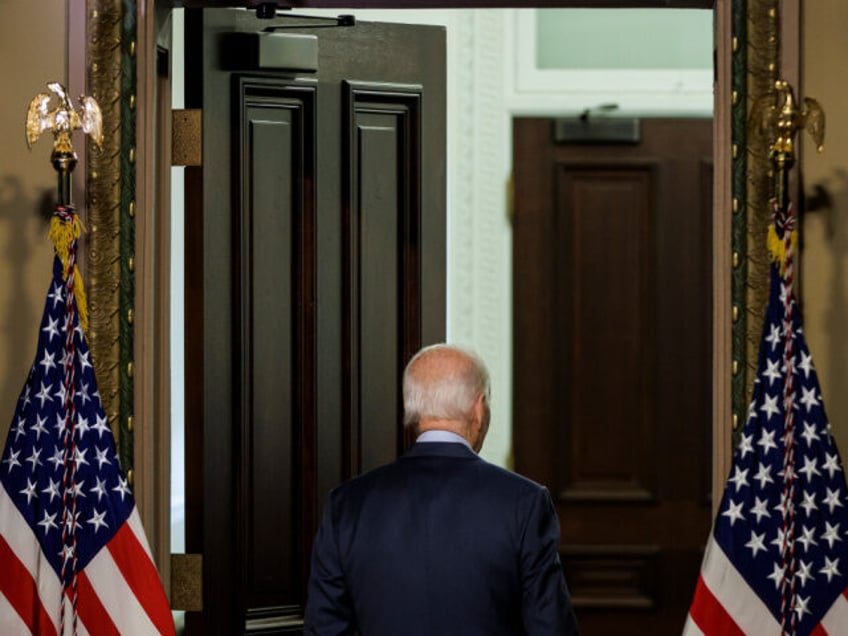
613,360
315,268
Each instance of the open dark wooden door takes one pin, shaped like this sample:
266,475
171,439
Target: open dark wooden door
315,268
613,359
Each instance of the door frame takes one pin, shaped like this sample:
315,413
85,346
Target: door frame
149,14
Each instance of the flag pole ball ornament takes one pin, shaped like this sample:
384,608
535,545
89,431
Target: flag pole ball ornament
776,561
74,556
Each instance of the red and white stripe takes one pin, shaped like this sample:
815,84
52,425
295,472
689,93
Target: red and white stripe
119,591
725,604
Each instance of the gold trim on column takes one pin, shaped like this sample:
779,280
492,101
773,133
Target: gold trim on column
103,186
763,62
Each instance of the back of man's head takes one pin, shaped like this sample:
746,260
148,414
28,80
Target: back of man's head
442,382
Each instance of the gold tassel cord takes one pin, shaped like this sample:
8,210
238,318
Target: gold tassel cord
777,247
63,234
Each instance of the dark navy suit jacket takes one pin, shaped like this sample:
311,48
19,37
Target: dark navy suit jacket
438,543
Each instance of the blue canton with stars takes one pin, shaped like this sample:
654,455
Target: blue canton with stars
31,469
749,525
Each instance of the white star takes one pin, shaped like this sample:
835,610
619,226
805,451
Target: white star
61,393
759,509
776,574
740,477
831,465
803,572
99,488
71,521
20,429
782,473
101,426
122,487
101,457
767,441
58,458
769,406
52,490
83,393
59,426
39,426
831,534
733,512
56,295
79,456
764,476
12,459
67,553
756,543
83,359
44,394
784,506
47,361
810,433
67,359
29,491
52,328
82,426
745,446
809,503
48,522
789,366
778,540
809,398
774,337
34,458
78,331
97,520
807,539
773,371
809,468
27,391
801,606
76,489
752,409
832,500
829,569
806,364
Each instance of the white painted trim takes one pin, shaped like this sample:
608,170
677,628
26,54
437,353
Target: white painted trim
659,92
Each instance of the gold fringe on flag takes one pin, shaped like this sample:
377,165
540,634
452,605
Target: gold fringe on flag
63,234
777,247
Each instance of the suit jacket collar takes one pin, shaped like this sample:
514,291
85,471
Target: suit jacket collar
440,449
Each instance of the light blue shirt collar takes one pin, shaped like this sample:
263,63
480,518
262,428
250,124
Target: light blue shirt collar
443,436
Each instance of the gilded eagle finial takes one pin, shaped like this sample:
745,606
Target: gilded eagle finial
63,119
776,118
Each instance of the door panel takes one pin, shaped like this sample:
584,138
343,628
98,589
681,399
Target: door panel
612,355
321,229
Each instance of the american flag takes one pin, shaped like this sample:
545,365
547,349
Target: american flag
777,558
75,559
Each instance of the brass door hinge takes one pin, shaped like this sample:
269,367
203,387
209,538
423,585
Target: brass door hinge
187,582
187,137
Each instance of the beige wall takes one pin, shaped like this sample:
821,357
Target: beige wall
824,259
34,51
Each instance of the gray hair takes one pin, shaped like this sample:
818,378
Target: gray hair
449,395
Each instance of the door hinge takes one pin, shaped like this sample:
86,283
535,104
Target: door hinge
187,582
187,137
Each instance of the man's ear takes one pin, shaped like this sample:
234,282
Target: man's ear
479,411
